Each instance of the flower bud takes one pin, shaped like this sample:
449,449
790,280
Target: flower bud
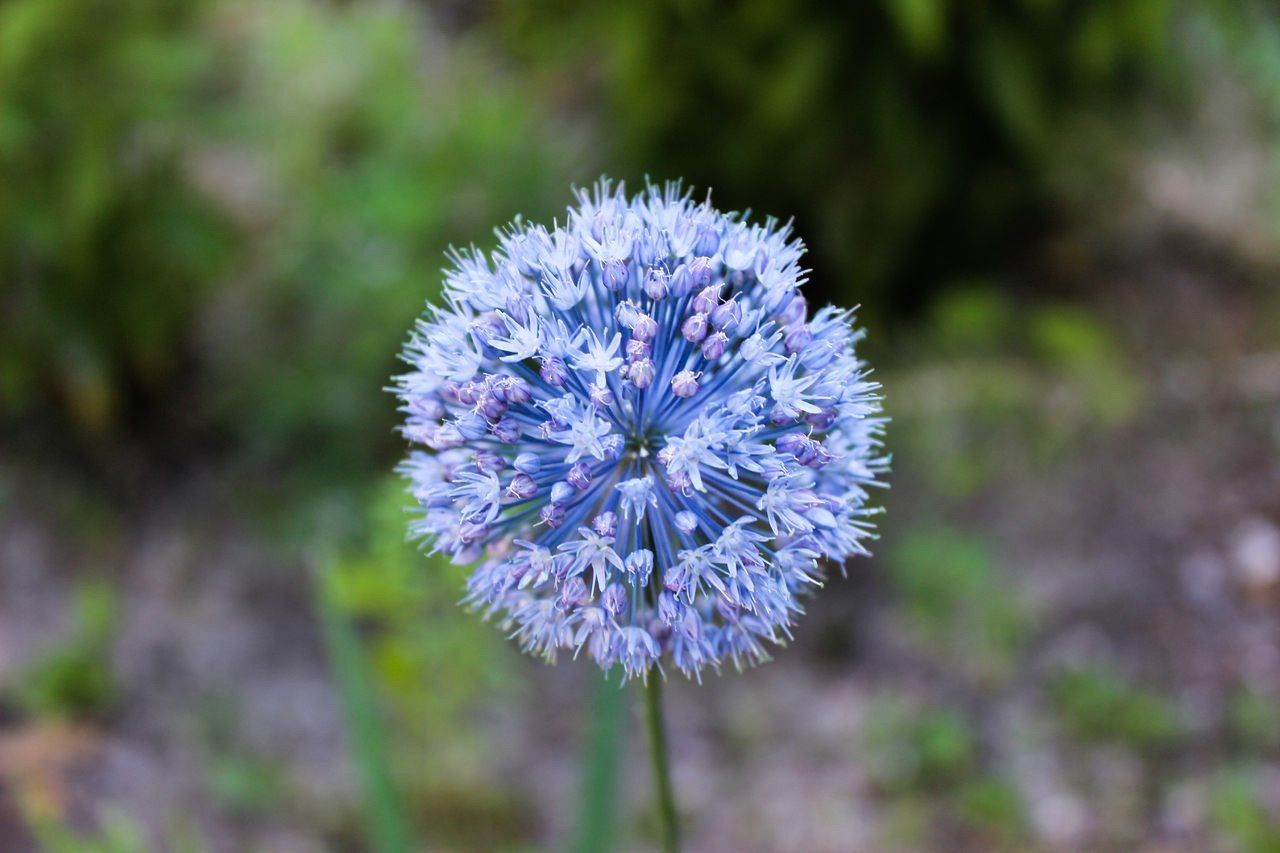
727,315
528,463
706,300
637,350
626,313
708,240
655,283
487,461
513,389
700,272
492,406
806,451
642,373
714,346
694,328
681,281
471,425
684,384
820,458
613,273
427,408
821,420
691,625
552,515
668,608
562,493
789,443
574,593
471,531
506,430
444,437
798,337
522,487
615,599
469,392
795,310
686,522
645,328
579,476
554,372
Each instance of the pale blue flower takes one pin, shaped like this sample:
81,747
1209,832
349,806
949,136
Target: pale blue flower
636,431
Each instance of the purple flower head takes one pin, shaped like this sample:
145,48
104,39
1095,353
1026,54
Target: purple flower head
637,430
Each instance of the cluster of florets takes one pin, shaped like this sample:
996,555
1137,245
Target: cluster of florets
637,431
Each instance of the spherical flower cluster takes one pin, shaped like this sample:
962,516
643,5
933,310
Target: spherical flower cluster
637,431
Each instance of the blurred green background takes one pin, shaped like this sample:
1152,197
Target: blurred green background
218,220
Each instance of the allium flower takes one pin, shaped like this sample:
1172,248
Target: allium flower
639,434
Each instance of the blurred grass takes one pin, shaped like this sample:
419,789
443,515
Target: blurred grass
74,679
387,826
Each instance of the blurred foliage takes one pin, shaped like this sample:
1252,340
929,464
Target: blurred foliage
995,810
1254,721
1238,812
956,600
926,762
368,168
1097,705
910,138
917,749
74,680
119,833
208,222
245,785
434,661
987,375
431,668
105,249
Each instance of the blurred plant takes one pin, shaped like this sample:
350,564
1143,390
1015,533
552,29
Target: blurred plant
1096,705
887,127
956,600
435,666
415,676
994,810
917,749
246,785
996,386
210,221
1239,814
1254,720
359,174
118,833
74,680
105,247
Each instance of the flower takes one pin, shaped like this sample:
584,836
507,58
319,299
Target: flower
636,431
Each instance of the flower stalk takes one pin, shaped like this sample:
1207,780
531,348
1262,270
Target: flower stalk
668,828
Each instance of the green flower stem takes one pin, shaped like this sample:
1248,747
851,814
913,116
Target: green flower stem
667,827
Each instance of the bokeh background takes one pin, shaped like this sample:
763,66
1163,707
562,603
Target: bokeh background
219,218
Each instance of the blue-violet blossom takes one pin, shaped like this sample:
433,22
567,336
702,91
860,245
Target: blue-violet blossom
634,428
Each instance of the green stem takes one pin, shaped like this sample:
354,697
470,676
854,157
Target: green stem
387,826
661,768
